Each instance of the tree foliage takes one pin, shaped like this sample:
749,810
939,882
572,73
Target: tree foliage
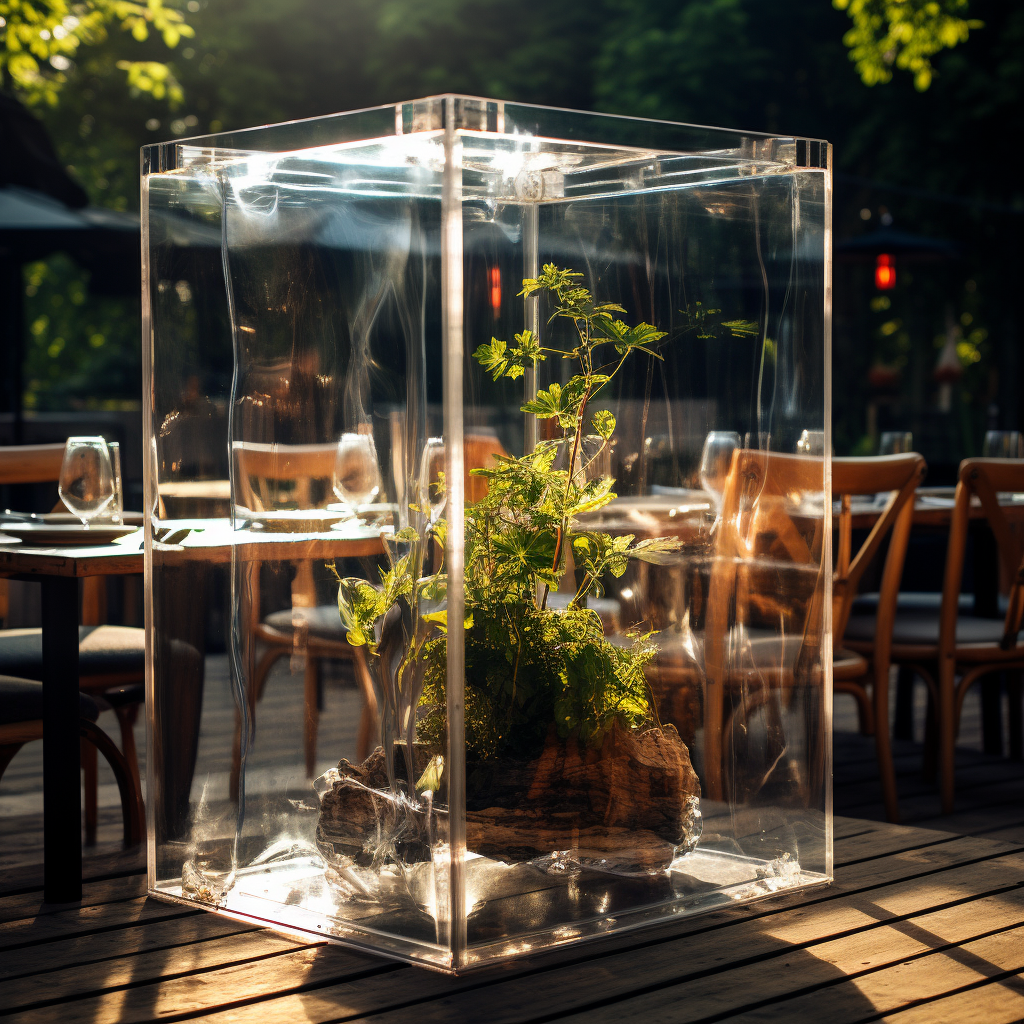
40,39
905,34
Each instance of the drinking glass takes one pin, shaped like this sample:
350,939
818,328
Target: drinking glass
812,442
356,470
117,505
432,496
896,442
86,484
715,462
1002,444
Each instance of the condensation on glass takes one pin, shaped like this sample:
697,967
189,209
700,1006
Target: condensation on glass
376,713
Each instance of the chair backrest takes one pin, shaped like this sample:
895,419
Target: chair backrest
757,530
984,478
31,463
901,475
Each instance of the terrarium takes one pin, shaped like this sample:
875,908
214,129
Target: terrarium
489,523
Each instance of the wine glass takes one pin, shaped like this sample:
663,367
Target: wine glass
432,496
715,462
896,442
1002,444
86,484
356,470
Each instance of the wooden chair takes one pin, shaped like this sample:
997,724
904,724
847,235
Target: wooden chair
963,648
768,566
868,681
941,646
21,709
299,475
112,667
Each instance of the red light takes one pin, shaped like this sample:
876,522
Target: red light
495,290
885,272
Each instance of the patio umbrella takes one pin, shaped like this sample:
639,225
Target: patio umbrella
43,211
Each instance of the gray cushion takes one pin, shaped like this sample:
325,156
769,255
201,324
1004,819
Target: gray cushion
324,621
102,650
21,700
923,628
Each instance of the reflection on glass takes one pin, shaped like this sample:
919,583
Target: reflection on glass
432,495
715,461
356,470
86,483
812,442
896,442
1003,444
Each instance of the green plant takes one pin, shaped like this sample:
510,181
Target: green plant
529,669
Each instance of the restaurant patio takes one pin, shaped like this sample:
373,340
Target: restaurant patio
660,662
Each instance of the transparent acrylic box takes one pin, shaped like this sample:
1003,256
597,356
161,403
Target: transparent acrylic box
435,674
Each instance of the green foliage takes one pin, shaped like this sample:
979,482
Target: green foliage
39,40
530,672
903,33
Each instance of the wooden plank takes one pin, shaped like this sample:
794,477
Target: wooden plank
529,987
921,980
162,965
111,890
85,920
119,942
996,1002
841,980
882,842
188,997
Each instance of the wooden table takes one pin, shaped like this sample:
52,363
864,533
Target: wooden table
58,570
920,926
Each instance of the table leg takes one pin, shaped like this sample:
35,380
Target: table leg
62,802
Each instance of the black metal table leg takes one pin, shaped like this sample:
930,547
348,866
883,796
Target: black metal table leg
62,802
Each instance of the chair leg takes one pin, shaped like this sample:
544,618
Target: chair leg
903,728
7,752
91,786
947,732
132,810
1015,694
126,717
883,744
311,724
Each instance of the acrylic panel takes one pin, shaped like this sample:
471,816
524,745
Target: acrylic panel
487,564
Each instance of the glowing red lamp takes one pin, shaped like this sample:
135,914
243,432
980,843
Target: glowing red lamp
495,289
885,272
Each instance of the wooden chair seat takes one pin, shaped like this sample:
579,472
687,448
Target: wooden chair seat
915,629
322,622
21,700
847,665
103,651
21,712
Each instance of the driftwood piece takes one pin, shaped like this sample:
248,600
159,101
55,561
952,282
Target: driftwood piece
626,806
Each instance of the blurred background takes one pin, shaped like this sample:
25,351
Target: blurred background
928,206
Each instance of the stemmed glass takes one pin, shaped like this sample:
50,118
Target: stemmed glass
86,484
715,462
1002,444
432,496
356,470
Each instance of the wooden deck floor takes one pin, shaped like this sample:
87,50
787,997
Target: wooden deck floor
920,926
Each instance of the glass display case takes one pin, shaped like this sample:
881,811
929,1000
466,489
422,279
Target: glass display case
487,561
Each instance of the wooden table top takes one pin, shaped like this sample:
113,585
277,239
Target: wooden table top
205,542
919,926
